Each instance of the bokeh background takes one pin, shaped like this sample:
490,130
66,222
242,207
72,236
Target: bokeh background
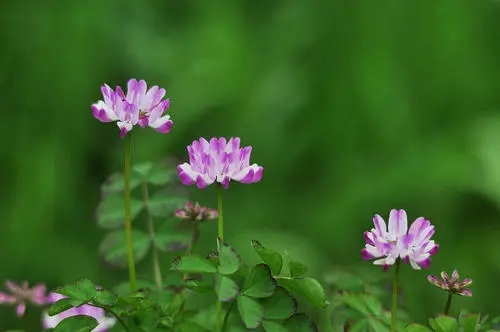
352,107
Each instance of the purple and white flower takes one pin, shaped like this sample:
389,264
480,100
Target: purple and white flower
389,242
139,106
105,322
452,285
20,294
218,161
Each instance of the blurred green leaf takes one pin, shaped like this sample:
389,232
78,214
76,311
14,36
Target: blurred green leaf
307,288
77,324
229,260
469,323
163,204
281,305
171,242
300,323
273,327
105,298
194,264
190,327
111,211
269,256
251,312
297,269
377,326
115,183
114,250
225,288
417,328
444,324
259,282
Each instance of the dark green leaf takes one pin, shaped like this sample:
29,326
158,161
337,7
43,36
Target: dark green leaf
444,324
111,211
417,328
280,305
269,256
377,326
297,269
190,327
300,323
194,264
307,288
225,288
229,260
171,242
259,282
164,204
83,290
251,312
105,298
114,250
63,305
116,184
77,324
273,327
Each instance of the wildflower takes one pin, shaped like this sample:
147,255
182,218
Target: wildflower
452,285
393,241
99,314
219,161
196,212
139,106
20,294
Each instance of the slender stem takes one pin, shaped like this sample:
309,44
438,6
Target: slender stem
448,304
226,316
151,233
128,219
220,235
395,297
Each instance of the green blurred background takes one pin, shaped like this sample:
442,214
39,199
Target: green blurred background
352,107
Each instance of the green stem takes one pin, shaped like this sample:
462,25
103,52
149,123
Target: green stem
151,233
220,235
395,297
128,220
448,304
190,248
226,316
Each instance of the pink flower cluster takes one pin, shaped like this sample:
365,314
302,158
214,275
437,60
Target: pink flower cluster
390,242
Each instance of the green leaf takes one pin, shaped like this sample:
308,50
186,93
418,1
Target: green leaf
444,324
161,175
225,288
115,183
114,250
63,305
83,290
251,312
269,256
281,305
77,324
111,211
194,264
297,269
229,260
142,169
469,323
259,282
171,242
299,323
417,328
377,326
308,288
105,298
190,327
273,327
163,204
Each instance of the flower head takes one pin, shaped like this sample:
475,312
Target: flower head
195,212
20,294
452,285
219,161
393,241
99,314
139,106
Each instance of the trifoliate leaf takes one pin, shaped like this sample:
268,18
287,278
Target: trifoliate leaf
300,323
111,211
251,312
259,282
308,288
281,305
78,323
269,256
229,260
225,288
194,264
113,247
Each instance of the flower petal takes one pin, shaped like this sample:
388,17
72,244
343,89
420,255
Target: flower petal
398,223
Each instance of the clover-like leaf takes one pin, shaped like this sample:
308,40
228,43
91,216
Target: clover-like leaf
270,326
259,282
300,323
225,288
308,288
115,183
281,305
194,264
251,312
113,247
444,324
168,242
78,323
269,256
229,260
111,211
297,269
